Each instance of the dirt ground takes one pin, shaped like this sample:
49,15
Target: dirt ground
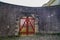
35,37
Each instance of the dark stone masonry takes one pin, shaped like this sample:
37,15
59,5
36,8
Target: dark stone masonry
48,20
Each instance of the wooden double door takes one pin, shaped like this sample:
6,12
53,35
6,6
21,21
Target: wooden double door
27,25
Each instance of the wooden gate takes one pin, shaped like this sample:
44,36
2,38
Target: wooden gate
27,25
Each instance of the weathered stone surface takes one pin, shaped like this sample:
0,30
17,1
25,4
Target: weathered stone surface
49,18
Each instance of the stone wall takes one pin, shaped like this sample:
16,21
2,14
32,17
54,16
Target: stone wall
48,18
